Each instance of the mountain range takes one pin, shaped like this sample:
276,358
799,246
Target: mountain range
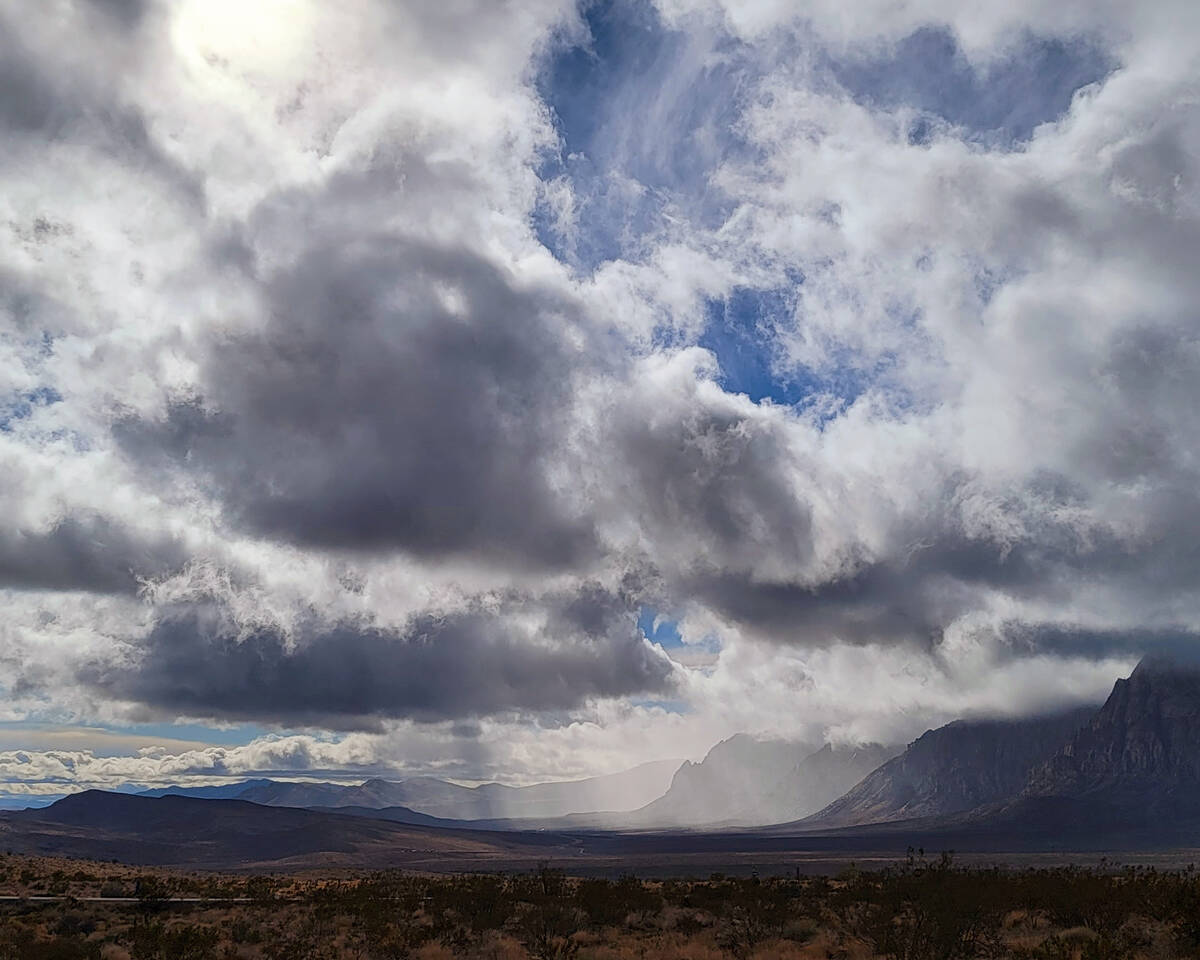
443,799
1138,758
954,768
745,781
742,781
1125,775
218,832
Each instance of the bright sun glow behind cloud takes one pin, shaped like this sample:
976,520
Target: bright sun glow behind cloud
245,38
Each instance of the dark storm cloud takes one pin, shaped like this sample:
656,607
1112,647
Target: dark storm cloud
724,501
402,396
942,572
1070,640
914,595
92,554
348,675
714,479
933,575
910,596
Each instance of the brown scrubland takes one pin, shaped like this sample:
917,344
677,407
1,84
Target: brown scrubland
922,909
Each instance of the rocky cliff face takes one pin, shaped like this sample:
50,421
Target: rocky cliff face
953,769
1141,750
819,777
727,784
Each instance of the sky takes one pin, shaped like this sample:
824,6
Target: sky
527,389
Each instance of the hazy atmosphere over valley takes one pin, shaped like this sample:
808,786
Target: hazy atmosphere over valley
537,390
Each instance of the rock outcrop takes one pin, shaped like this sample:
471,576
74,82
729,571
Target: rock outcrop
1140,752
954,768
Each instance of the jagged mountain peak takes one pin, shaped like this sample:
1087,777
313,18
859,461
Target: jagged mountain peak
1141,747
1168,662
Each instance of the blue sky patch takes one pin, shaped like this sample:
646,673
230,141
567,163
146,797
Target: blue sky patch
677,707
21,406
743,333
1001,102
645,114
658,629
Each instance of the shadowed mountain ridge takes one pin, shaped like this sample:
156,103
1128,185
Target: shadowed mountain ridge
954,768
1140,753
173,830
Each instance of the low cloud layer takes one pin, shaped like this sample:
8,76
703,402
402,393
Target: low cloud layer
197,661
378,364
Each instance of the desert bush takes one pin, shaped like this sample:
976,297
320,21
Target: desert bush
608,903
73,924
156,941
755,912
931,910
546,917
464,908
